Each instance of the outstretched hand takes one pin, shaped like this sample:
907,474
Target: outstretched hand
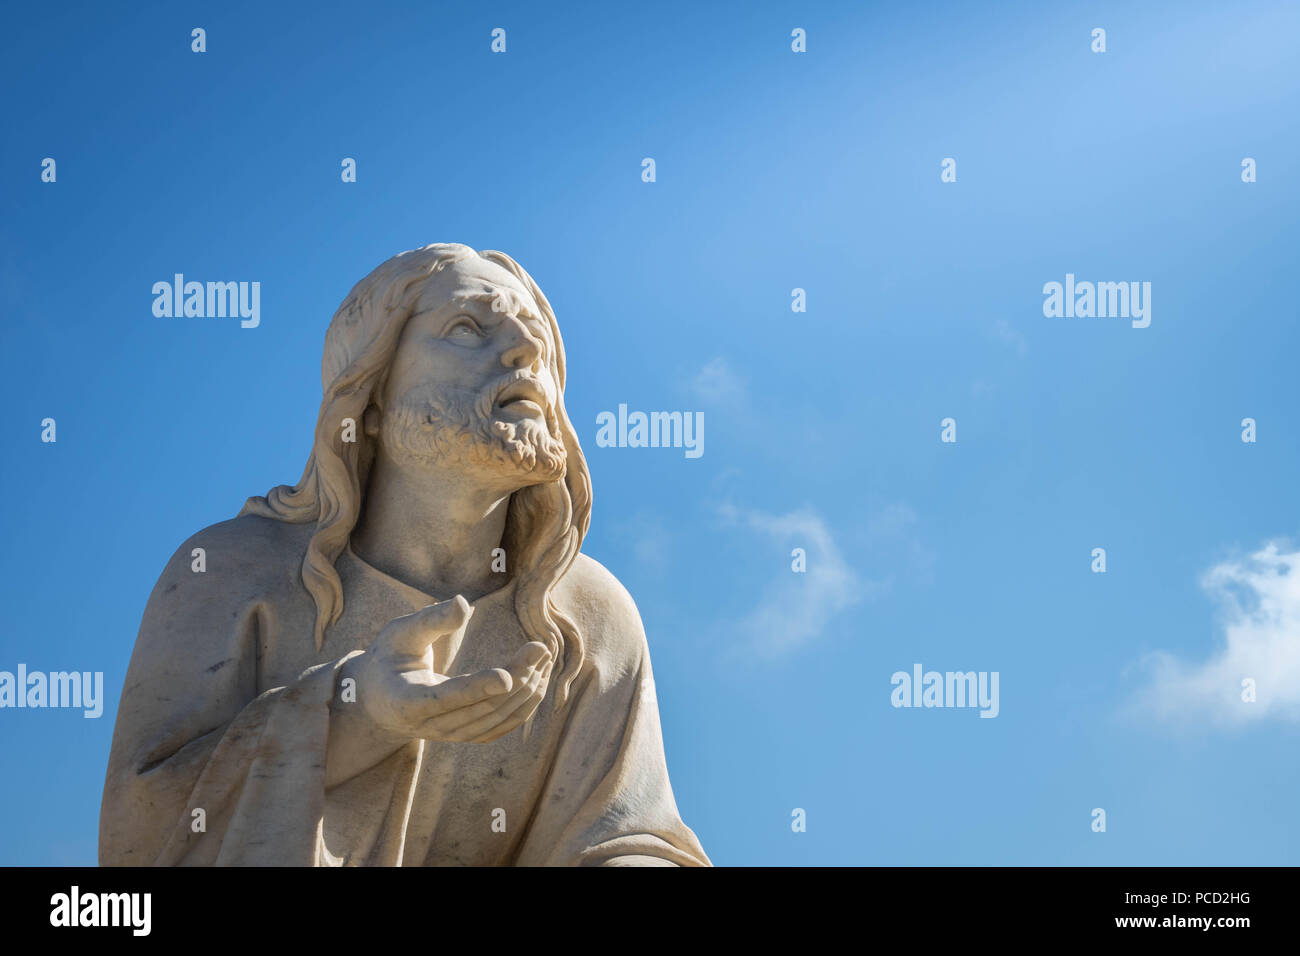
401,693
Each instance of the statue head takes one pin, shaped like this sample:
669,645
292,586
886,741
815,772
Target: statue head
449,358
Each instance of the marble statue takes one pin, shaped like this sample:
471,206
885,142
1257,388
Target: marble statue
404,659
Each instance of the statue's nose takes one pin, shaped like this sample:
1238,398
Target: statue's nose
524,351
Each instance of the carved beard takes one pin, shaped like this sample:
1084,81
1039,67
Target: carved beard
433,424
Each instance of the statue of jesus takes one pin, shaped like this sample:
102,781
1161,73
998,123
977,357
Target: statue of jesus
404,659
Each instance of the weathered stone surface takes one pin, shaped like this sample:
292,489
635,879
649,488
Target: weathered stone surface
404,659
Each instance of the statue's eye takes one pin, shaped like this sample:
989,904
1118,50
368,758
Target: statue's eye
464,329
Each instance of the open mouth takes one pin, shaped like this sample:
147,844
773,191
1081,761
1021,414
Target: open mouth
523,396
523,405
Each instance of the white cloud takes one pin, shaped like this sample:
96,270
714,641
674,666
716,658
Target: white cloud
717,384
651,544
1011,336
1260,599
796,607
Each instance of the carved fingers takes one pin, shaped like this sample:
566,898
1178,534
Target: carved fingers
417,702
488,719
413,635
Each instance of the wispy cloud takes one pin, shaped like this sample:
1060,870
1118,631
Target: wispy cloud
797,606
1260,601
717,384
1010,335
649,540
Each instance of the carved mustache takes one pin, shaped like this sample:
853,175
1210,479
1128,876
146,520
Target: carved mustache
514,386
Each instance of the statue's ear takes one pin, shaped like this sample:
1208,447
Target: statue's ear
370,421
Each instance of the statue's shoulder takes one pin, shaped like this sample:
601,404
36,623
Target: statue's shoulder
605,613
245,555
254,542
214,578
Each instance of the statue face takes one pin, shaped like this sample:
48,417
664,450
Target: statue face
470,381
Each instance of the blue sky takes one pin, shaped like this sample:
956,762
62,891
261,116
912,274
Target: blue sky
775,171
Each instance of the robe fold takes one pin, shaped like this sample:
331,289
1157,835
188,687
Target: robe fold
218,753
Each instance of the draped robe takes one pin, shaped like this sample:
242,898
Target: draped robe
226,710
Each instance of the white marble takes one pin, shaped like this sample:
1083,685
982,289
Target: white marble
403,659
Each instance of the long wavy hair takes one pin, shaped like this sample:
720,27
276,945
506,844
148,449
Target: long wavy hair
545,523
